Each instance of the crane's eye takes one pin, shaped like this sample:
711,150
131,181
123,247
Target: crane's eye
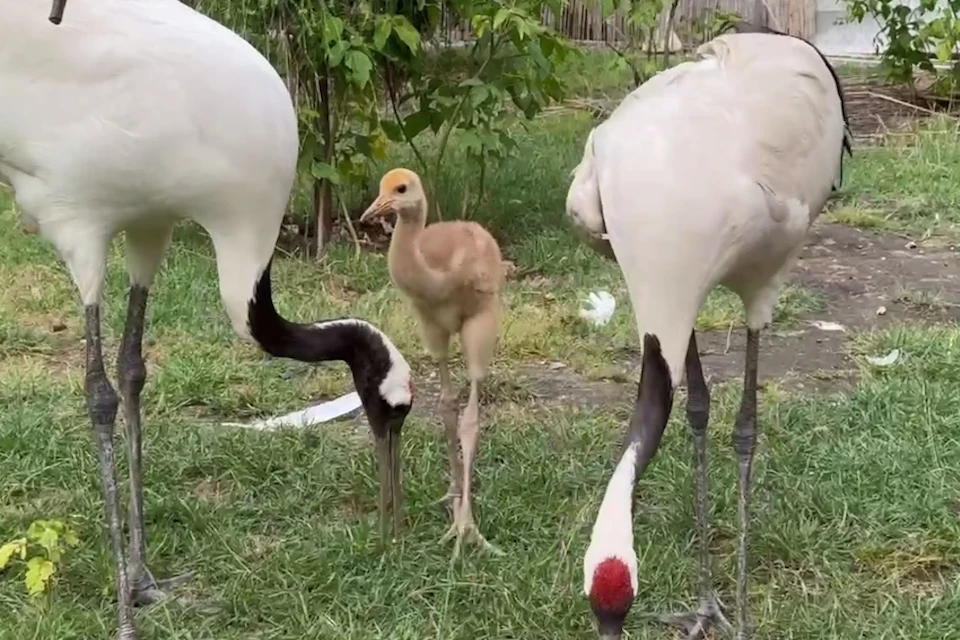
402,188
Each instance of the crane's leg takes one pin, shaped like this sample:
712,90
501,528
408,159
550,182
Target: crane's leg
478,336
102,404
131,375
447,406
744,442
709,614
437,341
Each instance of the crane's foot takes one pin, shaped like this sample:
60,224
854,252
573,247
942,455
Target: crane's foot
127,633
468,531
452,496
147,590
696,623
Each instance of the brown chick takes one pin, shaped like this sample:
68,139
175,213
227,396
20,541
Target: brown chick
451,273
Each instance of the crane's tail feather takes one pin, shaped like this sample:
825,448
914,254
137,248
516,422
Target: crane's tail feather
584,205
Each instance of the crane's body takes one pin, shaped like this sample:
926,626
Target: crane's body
128,117
135,114
710,173
715,168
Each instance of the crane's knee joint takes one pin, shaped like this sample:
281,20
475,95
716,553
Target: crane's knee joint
131,373
698,415
102,400
745,438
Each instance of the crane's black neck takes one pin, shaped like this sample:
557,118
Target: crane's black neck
350,340
654,403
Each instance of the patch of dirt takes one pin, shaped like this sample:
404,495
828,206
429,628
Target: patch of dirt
858,274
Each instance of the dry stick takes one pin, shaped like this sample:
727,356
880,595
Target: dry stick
391,91
350,228
902,103
770,14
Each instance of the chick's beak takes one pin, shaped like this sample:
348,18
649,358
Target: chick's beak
379,207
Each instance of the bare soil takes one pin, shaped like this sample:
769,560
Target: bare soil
866,279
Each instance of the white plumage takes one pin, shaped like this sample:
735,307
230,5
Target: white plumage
710,173
128,117
134,114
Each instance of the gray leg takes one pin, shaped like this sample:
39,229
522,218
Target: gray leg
131,374
698,414
744,442
102,404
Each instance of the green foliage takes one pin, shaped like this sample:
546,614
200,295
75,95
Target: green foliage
510,67
363,75
916,38
638,53
40,551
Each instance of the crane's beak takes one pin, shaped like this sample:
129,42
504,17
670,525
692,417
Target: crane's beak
391,498
56,11
379,207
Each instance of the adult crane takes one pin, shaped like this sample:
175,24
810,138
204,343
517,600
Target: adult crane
132,116
709,173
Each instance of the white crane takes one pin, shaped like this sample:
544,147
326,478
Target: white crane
710,173
131,116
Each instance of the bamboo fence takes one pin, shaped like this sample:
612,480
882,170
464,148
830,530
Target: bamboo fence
582,21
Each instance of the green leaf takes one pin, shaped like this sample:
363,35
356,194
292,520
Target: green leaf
392,131
8,550
332,28
477,95
500,17
944,50
471,142
416,122
49,539
323,171
360,64
382,33
336,54
70,537
39,572
407,34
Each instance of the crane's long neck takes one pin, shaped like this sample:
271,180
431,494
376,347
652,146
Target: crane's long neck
614,522
372,357
613,529
408,268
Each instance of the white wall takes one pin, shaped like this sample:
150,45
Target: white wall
839,35
849,37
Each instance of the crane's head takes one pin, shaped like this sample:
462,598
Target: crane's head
382,377
401,192
610,564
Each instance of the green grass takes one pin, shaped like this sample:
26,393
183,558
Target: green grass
856,532
907,184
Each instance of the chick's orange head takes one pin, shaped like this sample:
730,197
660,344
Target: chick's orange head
395,178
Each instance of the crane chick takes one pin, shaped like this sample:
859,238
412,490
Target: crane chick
709,173
451,272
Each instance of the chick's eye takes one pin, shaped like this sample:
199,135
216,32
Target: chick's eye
402,188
